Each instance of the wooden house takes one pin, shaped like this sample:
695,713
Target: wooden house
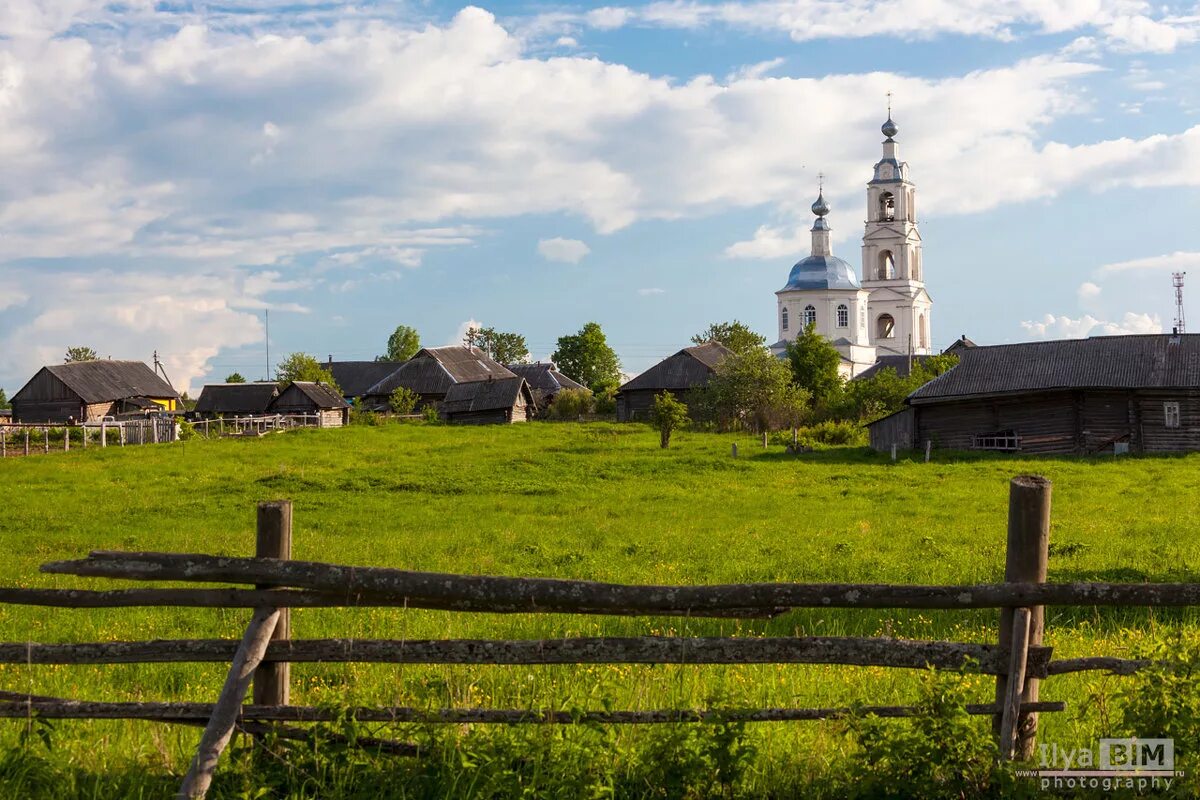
354,378
494,401
88,391
1105,394
306,397
431,373
235,399
681,374
545,382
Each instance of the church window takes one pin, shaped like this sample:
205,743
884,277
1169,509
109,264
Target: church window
923,328
783,318
1171,414
810,316
885,327
887,266
887,207
843,316
916,265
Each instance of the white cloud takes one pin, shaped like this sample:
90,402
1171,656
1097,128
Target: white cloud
1064,327
567,251
651,292
754,71
1088,293
463,327
1179,261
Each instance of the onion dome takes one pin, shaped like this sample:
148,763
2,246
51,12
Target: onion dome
889,128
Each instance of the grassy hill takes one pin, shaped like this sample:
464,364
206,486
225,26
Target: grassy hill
593,501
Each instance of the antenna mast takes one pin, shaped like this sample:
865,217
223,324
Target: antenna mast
1177,282
267,341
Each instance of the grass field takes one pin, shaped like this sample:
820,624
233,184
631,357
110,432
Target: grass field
595,501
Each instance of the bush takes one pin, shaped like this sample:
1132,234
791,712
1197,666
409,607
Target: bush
606,401
186,429
833,432
668,414
430,414
403,400
571,404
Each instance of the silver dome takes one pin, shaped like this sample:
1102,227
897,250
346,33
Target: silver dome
889,128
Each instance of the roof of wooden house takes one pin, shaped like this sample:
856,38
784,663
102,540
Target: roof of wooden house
356,377
322,396
490,395
236,398
898,363
690,367
1154,361
544,377
433,370
105,380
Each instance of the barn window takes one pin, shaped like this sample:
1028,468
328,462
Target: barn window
885,327
1171,414
810,316
1002,440
843,316
783,318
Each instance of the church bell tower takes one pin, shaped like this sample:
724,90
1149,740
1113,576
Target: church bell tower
892,268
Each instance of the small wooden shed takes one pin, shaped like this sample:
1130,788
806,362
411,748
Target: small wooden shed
498,401
682,374
88,391
235,399
307,397
545,382
431,373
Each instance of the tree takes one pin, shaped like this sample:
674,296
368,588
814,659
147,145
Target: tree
884,392
234,377
754,389
303,367
402,345
734,335
4,400
814,363
79,354
667,414
403,400
507,348
570,404
587,358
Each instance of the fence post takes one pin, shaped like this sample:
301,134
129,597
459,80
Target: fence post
66,439
27,441
3,443
103,434
46,439
83,435
1025,562
928,449
893,451
274,540
735,449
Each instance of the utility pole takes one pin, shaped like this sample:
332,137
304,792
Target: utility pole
267,320
1177,282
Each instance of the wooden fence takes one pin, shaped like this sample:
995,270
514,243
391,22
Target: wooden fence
260,659
254,425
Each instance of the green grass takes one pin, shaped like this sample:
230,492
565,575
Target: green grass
593,501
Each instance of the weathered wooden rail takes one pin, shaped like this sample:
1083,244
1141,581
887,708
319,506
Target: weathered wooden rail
260,659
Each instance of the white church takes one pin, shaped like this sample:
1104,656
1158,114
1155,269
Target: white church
887,313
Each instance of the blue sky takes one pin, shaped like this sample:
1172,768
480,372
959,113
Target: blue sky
169,171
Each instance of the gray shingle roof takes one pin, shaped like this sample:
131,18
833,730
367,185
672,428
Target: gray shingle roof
690,367
105,380
1103,362
898,363
483,395
356,377
321,395
236,398
543,377
433,370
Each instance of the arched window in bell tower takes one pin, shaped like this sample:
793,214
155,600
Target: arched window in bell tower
923,328
783,321
887,266
885,327
887,207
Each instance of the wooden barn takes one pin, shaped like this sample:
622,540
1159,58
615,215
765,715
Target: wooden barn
235,399
681,374
306,397
431,373
497,401
354,378
1106,394
88,391
545,382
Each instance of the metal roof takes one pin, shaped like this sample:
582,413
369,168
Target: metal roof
543,377
1154,361
490,395
236,398
822,272
433,370
356,377
899,363
690,367
105,380
319,394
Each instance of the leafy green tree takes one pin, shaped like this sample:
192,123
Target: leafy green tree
4,400
234,377
814,363
734,335
754,390
79,354
884,392
507,348
667,414
402,345
587,358
303,367
570,404
403,400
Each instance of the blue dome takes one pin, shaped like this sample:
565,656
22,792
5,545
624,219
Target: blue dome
822,272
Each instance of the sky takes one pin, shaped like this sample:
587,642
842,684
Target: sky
172,171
